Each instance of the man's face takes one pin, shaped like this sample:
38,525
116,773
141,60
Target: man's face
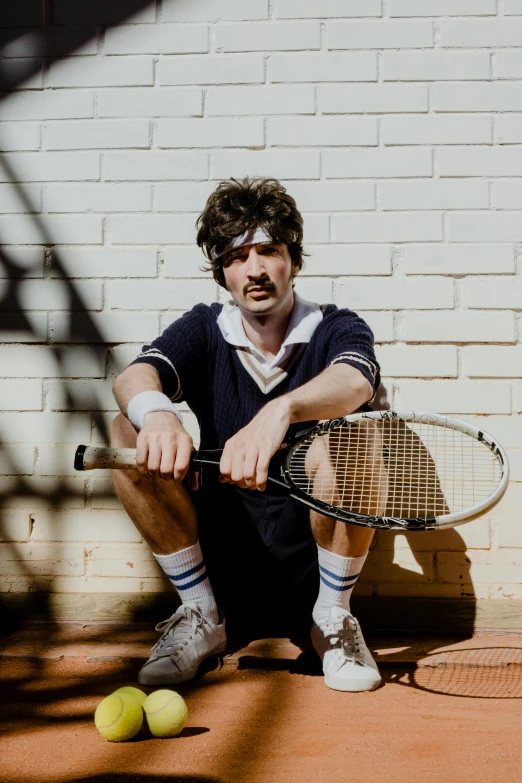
259,277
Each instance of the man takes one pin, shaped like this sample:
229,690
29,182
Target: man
252,371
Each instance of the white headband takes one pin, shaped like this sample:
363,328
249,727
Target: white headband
253,236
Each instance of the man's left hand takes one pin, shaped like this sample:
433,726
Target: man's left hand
247,454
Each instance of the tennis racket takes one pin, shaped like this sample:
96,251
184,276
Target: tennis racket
387,470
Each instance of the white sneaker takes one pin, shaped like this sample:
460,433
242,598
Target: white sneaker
187,639
347,662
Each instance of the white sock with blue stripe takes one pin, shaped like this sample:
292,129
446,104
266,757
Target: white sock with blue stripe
187,572
337,578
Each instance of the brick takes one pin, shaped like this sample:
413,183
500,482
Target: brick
436,129
18,395
342,260
513,7
442,8
475,536
499,361
267,36
60,230
380,567
48,105
29,259
458,259
106,134
434,66
387,227
240,132
45,427
16,526
458,326
17,460
42,493
373,98
508,129
324,67
152,229
484,227
184,261
154,165
316,228
493,293
102,13
58,460
280,163
453,397
45,166
182,196
27,327
479,566
40,559
332,196
394,294
57,42
85,525
122,355
82,395
381,34
381,325
480,32
435,194
98,197
15,201
156,39
163,102
510,536
15,15
412,361
94,328
212,70
508,429
135,560
480,161
19,136
20,73
517,397
43,362
272,99
470,96
304,9
104,495
103,72
323,131
508,64
214,10
103,262
160,295
314,289
414,162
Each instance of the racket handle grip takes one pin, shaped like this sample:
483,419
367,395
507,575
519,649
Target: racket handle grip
101,457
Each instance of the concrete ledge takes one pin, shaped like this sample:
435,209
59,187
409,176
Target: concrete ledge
427,615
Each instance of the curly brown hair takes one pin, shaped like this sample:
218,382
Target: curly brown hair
238,205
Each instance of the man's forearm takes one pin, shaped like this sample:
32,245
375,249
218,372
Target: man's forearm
135,379
337,391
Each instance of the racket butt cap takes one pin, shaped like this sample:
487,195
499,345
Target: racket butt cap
78,458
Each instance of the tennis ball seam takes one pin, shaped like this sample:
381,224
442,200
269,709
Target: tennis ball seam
157,712
122,709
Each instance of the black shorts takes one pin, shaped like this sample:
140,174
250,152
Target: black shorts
258,548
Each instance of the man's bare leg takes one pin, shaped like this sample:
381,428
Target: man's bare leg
163,512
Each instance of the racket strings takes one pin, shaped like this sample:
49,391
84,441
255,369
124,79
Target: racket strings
390,468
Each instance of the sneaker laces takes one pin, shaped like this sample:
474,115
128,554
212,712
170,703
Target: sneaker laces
345,635
178,631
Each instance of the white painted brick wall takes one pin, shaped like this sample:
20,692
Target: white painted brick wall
396,125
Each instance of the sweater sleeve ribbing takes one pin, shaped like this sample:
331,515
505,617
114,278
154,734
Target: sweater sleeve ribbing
180,353
351,342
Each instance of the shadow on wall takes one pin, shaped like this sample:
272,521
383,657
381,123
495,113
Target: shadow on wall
30,34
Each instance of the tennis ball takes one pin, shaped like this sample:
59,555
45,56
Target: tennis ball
118,717
165,713
138,694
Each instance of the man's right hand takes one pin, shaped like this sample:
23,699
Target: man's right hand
164,448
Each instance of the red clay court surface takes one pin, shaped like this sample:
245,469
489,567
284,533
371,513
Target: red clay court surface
448,711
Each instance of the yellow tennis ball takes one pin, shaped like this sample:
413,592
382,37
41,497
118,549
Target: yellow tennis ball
165,713
118,717
138,694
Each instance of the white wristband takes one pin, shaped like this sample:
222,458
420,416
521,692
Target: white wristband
147,402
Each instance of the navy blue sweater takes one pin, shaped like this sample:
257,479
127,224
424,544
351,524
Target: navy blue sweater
198,365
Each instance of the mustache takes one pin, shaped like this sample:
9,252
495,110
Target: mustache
266,284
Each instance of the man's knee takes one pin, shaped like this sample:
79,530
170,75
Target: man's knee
122,433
